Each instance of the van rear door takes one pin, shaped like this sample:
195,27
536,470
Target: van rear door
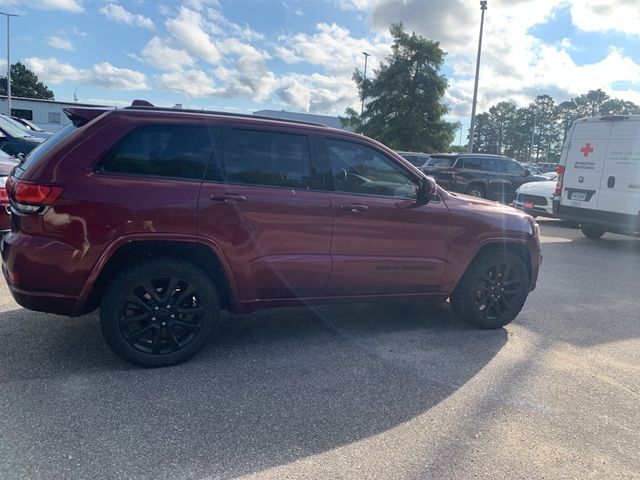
585,155
620,183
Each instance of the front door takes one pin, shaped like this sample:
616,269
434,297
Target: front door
382,243
262,204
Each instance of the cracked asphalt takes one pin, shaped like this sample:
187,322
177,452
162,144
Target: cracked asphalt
391,391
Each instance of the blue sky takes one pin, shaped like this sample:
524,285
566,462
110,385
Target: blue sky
299,55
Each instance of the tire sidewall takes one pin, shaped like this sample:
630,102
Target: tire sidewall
122,285
463,299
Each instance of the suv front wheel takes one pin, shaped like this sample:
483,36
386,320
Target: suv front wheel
159,312
493,290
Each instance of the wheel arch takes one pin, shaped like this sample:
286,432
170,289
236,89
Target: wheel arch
519,248
135,250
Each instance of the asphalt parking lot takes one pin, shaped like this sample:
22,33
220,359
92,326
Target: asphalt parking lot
361,391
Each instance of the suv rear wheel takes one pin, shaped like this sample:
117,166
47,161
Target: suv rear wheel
160,312
493,290
476,191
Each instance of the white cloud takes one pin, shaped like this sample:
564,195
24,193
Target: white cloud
160,54
605,15
192,83
66,5
61,43
105,75
119,14
317,93
333,48
187,30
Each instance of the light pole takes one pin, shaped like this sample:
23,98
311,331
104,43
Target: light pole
483,7
8,15
364,78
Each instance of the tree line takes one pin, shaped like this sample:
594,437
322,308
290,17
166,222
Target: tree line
536,132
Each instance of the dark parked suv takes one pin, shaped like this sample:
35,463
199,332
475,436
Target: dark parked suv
479,175
161,218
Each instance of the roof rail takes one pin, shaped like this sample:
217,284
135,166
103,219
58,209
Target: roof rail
146,106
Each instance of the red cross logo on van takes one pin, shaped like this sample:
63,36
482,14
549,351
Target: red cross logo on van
587,149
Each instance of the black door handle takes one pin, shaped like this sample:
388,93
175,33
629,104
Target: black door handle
611,182
228,197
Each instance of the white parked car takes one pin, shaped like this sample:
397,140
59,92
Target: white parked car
536,198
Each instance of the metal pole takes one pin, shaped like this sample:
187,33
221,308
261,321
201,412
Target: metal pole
483,7
364,78
533,132
8,15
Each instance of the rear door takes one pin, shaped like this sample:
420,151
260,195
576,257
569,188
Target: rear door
620,182
263,203
586,150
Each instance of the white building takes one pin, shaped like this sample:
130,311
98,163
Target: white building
326,120
47,114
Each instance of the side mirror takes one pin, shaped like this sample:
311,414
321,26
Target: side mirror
526,173
427,190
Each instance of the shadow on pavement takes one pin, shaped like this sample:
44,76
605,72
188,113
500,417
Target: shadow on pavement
271,387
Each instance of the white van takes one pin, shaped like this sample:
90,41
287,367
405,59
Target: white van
599,176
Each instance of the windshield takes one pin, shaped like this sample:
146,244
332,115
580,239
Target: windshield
11,129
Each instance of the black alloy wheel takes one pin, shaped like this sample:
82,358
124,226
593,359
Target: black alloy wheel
493,290
161,315
159,312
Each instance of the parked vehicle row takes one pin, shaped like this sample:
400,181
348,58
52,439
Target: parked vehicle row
15,139
480,175
161,218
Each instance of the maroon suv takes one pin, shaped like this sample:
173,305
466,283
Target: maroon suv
163,217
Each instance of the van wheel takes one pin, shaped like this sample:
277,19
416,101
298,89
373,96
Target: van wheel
476,191
592,232
492,291
160,312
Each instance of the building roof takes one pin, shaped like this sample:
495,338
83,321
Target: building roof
41,100
326,120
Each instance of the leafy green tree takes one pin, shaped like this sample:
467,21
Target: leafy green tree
404,107
25,83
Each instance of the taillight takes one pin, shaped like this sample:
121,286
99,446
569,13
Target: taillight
30,197
4,197
560,169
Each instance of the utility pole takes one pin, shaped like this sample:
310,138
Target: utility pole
533,132
364,79
8,15
483,7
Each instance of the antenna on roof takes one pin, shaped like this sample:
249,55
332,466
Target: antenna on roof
75,95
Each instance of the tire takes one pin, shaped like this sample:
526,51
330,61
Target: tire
476,191
493,272
160,312
592,232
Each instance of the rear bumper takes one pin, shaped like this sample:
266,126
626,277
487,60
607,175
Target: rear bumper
34,269
43,301
613,222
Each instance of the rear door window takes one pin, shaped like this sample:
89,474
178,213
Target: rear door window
175,151
266,158
440,162
475,163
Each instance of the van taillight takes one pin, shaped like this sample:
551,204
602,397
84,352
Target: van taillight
29,197
560,169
